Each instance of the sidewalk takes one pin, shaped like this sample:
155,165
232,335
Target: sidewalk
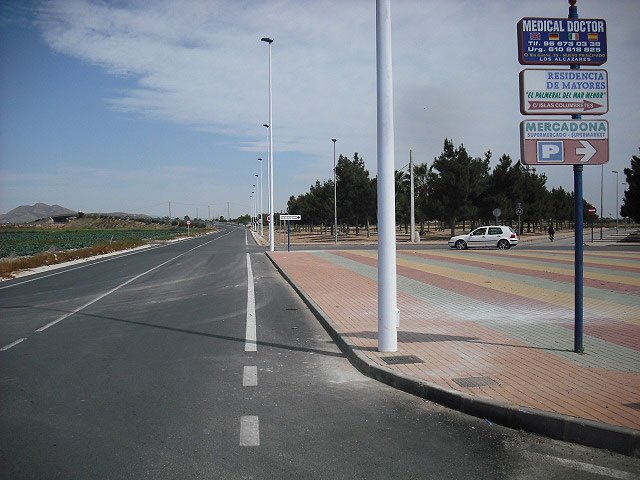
490,333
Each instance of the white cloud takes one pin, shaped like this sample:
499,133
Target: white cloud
201,63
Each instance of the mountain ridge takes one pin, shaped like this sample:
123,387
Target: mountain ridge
29,213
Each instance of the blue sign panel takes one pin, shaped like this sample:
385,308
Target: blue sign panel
550,152
562,41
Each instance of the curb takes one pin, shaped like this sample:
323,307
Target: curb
590,433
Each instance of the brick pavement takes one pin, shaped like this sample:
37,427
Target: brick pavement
502,320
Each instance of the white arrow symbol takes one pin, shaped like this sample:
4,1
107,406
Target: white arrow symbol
588,151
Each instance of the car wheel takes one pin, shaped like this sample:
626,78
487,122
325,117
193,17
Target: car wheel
504,245
461,245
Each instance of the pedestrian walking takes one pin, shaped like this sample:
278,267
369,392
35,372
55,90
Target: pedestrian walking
551,231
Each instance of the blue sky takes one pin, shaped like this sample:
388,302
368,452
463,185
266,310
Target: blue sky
130,105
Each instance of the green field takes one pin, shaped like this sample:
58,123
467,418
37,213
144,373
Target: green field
18,242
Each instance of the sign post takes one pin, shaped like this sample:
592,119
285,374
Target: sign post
288,219
574,42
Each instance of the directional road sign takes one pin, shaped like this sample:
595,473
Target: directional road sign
564,142
564,92
290,217
562,41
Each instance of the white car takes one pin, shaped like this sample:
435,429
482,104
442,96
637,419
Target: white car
487,236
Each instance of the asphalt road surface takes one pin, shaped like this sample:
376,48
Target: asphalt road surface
196,360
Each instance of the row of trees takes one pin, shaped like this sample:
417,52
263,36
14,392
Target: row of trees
455,189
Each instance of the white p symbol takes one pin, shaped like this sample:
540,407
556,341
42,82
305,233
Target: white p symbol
550,149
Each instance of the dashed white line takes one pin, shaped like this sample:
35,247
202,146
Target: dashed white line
249,431
250,376
250,336
13,344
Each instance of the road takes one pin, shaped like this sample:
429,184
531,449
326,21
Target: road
144,366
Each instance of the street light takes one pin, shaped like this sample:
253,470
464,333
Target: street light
601,190
261,195
271,235
257,213
266,125
617,183
255,207
335,197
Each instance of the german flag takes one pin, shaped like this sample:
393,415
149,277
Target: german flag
554,36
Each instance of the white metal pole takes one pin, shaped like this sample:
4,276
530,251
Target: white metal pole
258,214
335,197
387,291
271,161
261,195
601,185
412,230
614,171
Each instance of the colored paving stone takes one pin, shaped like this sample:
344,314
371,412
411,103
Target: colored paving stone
498,325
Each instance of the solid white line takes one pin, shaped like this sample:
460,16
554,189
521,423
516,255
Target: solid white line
100,297
250,376
90,263
7,347
250,343
61,265
249,431
588,467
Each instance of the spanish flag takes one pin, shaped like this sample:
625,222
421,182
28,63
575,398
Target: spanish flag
554,36
593,37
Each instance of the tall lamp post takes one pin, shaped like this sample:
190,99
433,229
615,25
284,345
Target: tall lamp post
258,192
261,195
617,183
335,196
271,235
266,125
388,314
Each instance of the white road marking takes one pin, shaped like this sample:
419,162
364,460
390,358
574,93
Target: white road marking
116,255
250,336
100,297
588,467
249,431
61,265
250,376
13,344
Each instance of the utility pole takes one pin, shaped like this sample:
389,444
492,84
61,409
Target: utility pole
412,230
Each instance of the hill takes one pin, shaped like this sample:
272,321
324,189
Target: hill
29,213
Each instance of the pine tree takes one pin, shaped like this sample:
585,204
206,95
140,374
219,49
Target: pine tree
631,201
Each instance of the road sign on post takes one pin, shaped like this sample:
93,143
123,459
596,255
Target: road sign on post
564,92
564,142
288,219
562,41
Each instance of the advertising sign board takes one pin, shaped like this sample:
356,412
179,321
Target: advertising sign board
564,92
562,41
564,142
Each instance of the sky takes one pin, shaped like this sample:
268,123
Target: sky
138,105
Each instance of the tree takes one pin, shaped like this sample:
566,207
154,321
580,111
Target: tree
631,201
456,183
354,192
530,189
